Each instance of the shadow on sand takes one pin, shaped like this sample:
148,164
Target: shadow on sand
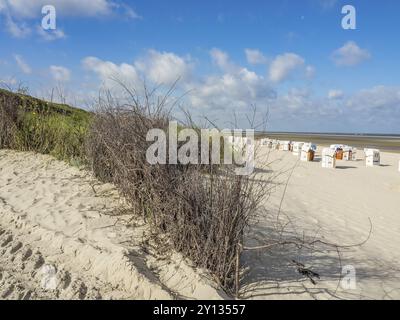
271,272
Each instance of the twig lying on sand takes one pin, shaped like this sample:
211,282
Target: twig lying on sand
306,272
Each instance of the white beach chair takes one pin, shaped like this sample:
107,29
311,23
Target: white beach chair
307,152
329,158
372,157
297,148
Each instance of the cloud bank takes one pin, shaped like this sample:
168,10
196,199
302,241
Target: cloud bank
234,88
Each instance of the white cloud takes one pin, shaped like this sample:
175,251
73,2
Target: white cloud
32,8
335,94
375,109
108,71
310,72
295,98
350,54
164,67
327,4
221,59
16,29
255,56
284,65
24,67
378,97
17,13
128,11
60,73
230,90
86,8
233,87
50,35
236,87
158,67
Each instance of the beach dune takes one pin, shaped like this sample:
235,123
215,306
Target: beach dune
63,235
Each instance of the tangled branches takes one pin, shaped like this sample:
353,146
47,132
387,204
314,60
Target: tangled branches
204,209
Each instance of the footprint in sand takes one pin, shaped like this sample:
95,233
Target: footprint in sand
6,240
16,247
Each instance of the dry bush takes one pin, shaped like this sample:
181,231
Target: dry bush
203,209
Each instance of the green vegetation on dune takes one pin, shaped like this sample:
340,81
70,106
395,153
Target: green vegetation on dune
31,124
28,103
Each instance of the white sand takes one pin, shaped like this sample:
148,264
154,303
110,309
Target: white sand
333,205
56,218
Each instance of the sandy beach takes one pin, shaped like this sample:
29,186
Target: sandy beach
59,224
335,205
63,235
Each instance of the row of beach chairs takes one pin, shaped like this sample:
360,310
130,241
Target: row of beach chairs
306,152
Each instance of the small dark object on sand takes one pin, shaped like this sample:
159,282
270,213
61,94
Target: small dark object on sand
306,272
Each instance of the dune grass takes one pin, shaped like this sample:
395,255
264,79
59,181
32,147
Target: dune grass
30,124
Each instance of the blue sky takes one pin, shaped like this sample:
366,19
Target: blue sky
290,57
